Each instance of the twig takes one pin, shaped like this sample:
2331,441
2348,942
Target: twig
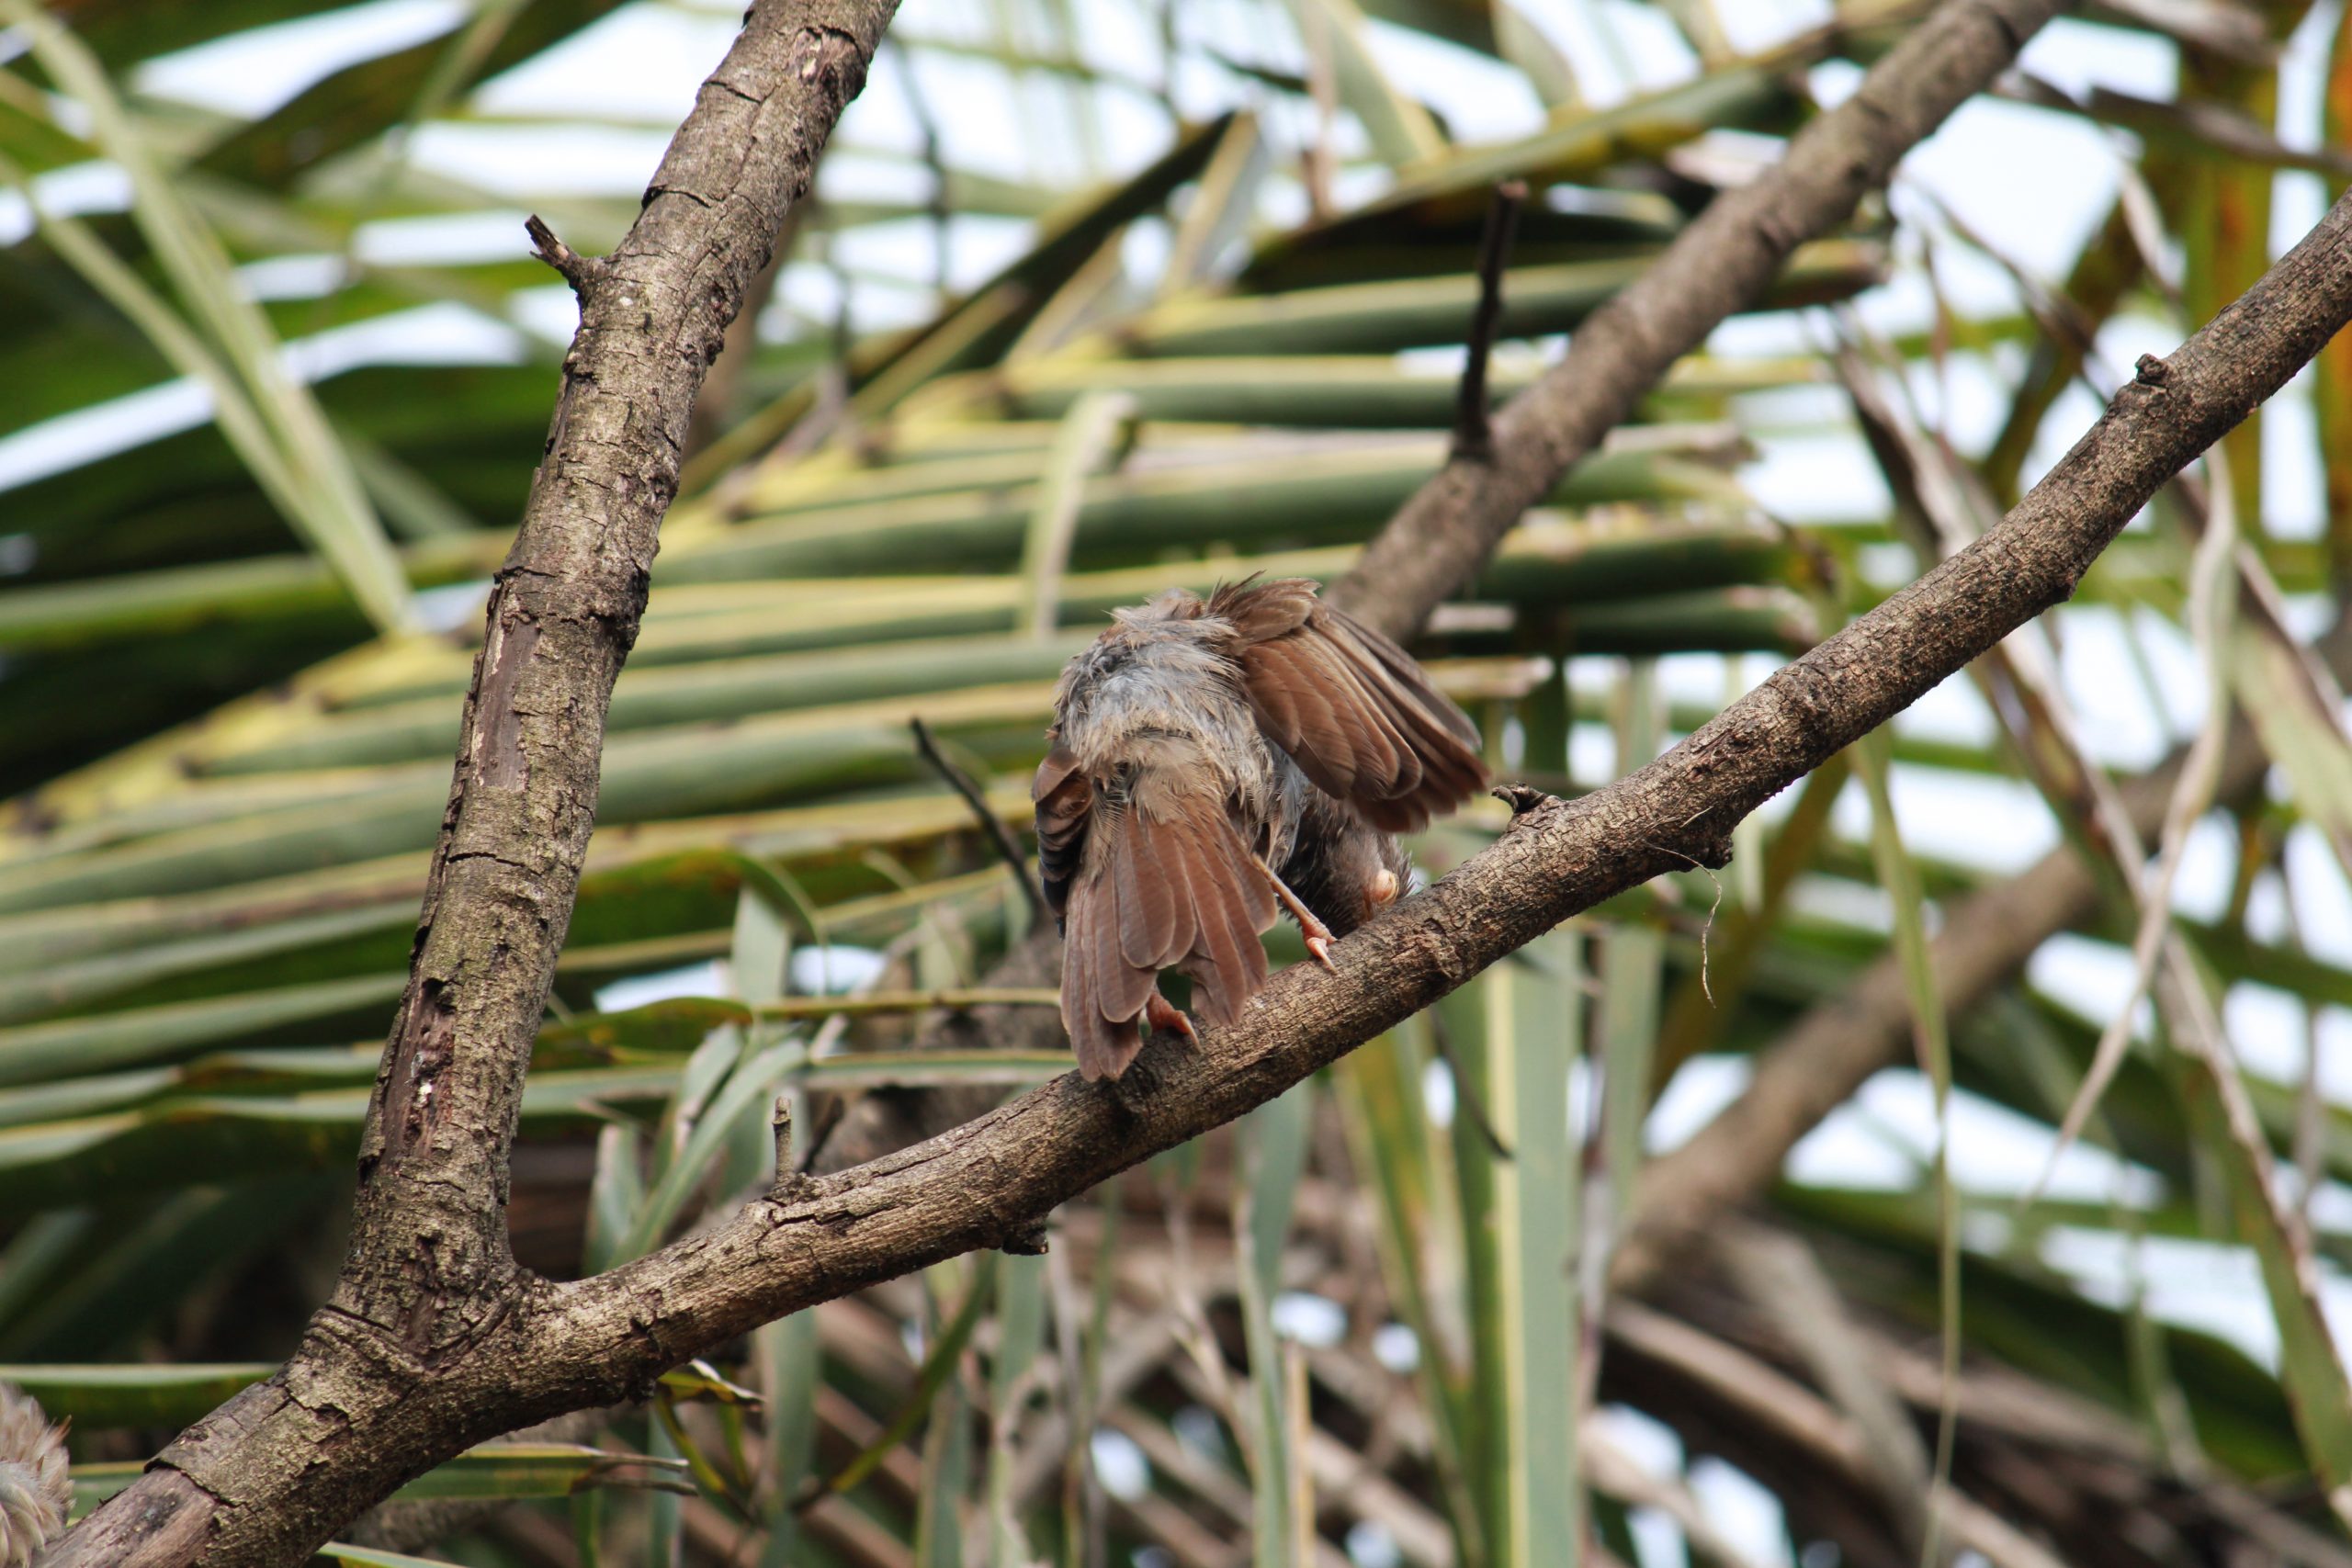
1008,848
581,271
1473,433
780,1123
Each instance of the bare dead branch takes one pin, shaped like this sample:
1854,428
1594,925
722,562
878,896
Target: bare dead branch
1720,263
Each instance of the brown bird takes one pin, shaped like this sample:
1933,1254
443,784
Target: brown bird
1212,762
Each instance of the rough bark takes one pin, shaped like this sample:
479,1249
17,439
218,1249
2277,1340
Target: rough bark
430,1279
548,1348
1722,263
436,1341
1818,1062
1441,538
716,406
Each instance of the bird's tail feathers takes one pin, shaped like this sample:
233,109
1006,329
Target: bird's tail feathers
1173,890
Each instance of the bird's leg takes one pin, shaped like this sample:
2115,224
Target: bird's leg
1316,934
1158,1013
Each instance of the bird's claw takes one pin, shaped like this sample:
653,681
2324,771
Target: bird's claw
1313,932
1160,1013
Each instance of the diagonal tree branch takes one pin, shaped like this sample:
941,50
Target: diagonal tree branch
430,1273
989,1183
1722,263
986,1183
1441,538
435,1341
1818,1063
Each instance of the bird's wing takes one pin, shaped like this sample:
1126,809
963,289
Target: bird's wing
1158,880
1063,799
1351,708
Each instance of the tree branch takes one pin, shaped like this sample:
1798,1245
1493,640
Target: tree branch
1818,1062
1723,262
1446,534
990,1183
435,1341
979,1184
430,1277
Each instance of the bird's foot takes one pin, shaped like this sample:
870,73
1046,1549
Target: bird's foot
1160,1013
1316,935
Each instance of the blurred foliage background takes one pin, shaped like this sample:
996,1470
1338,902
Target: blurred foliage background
1099,295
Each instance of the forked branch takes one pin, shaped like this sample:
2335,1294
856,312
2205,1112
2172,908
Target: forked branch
435,1341
990,1183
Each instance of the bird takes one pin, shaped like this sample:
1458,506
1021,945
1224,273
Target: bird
35,1491
1211,763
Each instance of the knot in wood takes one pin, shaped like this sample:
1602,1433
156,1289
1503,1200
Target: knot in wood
1029,1241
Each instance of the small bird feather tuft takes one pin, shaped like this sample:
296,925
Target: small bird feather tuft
36,1494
